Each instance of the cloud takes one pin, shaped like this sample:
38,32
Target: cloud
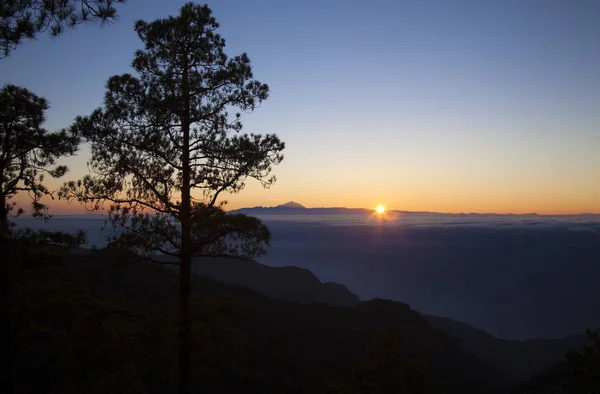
514,276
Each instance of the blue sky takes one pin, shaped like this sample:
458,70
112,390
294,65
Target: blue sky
453,106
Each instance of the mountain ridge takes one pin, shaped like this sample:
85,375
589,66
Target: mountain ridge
515,360
305,342
288,206
289,283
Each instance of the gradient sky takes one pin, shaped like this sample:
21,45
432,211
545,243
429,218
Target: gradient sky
448,106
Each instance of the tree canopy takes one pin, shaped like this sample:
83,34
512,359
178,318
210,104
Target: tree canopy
28,151
25,19
168,131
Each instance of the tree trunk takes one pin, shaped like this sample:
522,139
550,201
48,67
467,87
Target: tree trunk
185,267
184,325
8,363
3,218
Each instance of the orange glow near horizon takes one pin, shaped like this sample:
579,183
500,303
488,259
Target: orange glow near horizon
549,206
417,195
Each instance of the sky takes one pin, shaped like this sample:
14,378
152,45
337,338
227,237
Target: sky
432,105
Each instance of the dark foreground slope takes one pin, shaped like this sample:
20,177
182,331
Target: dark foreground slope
253,344
517,361
91,326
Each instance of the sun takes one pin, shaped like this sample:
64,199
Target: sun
380,209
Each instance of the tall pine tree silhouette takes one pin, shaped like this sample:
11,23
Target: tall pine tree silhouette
165,146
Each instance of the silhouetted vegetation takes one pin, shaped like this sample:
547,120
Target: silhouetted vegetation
168,132
28,152
391,365
579,373
25,19
22,252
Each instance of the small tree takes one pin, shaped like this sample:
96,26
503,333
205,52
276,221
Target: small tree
168,132
27,151
24,19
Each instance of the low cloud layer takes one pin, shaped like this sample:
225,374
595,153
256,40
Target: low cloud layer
515,276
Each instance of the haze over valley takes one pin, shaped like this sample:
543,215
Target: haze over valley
515,276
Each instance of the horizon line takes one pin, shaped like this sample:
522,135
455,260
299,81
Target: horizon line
297,209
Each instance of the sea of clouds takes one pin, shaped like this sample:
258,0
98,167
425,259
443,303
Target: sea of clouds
516,276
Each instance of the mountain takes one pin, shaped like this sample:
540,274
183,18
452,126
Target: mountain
514,360
290,205
284,283
297,209
517,361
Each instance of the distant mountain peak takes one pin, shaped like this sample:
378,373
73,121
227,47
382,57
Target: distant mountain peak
291,204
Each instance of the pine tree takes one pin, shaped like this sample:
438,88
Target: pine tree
165,147
25,19
28,151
